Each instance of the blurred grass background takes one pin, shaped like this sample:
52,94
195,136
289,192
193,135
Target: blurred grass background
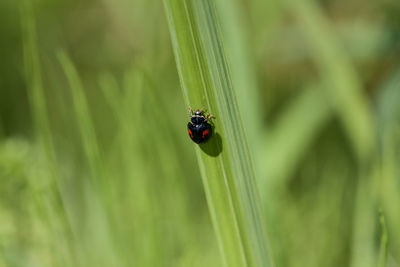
96,166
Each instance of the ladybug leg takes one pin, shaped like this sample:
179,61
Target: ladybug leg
190,111
209,116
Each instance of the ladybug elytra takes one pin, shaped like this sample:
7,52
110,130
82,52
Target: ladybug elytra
198,128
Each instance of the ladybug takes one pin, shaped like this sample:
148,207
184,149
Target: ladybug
198,128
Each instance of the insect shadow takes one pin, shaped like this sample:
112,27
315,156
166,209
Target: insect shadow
214,146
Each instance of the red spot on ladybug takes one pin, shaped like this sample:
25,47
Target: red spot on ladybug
190,133
205,132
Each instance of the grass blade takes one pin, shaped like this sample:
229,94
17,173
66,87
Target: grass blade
98,194
384,241
286,149
54,203
351,104
345,89
388,114
86,127
224,161
236,36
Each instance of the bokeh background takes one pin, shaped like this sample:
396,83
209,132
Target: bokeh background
96,168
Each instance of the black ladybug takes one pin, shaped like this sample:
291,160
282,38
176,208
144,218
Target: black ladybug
198,128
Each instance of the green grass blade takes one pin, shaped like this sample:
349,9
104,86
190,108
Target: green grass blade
351,104
345,89
388,114
236,35
283,148
98,194
54,202
85,124
384,241
33,72
224,161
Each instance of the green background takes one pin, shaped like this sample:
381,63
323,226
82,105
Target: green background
96,168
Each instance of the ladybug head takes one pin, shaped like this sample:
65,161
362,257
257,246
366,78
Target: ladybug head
198,112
